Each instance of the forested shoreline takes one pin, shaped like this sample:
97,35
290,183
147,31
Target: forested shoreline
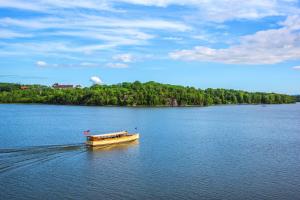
135,94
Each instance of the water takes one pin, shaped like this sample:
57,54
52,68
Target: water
222,152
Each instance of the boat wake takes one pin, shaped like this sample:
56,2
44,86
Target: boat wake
21,157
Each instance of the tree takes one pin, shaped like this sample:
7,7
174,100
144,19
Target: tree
136,93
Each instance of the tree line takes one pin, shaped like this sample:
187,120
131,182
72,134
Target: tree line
135,94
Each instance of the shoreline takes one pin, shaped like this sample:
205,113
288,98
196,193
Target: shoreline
142,106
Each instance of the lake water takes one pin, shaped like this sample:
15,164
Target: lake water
221,152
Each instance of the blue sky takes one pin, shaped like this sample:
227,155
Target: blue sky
252,45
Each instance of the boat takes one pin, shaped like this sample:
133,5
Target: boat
111,138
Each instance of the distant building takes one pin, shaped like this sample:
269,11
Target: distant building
58,86
78,86
24,87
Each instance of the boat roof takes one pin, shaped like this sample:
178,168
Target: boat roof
109,134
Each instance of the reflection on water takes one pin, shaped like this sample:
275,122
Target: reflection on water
112,147
22,157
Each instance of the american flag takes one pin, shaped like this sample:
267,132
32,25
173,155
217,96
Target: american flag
86,132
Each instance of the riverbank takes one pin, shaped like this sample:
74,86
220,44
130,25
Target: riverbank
141,106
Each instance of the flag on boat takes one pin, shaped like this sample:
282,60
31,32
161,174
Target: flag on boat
86,132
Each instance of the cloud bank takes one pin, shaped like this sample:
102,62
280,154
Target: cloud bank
74,30
264,47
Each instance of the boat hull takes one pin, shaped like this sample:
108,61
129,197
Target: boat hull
111,141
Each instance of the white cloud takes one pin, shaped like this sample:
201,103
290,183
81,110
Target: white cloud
173,38
126,58
96,80
222,10
296,67
209,37
41,63
54,48
117,65
104,31
20,5
78,28
66,65
7,34
212,10
52,5
88,64
83,21
264,47
128,36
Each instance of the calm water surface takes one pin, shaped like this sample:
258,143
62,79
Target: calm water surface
222,152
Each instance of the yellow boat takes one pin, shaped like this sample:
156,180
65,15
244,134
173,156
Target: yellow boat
111,138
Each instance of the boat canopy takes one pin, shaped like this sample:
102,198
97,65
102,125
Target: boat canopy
109,135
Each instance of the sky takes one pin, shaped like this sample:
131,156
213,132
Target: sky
250,45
